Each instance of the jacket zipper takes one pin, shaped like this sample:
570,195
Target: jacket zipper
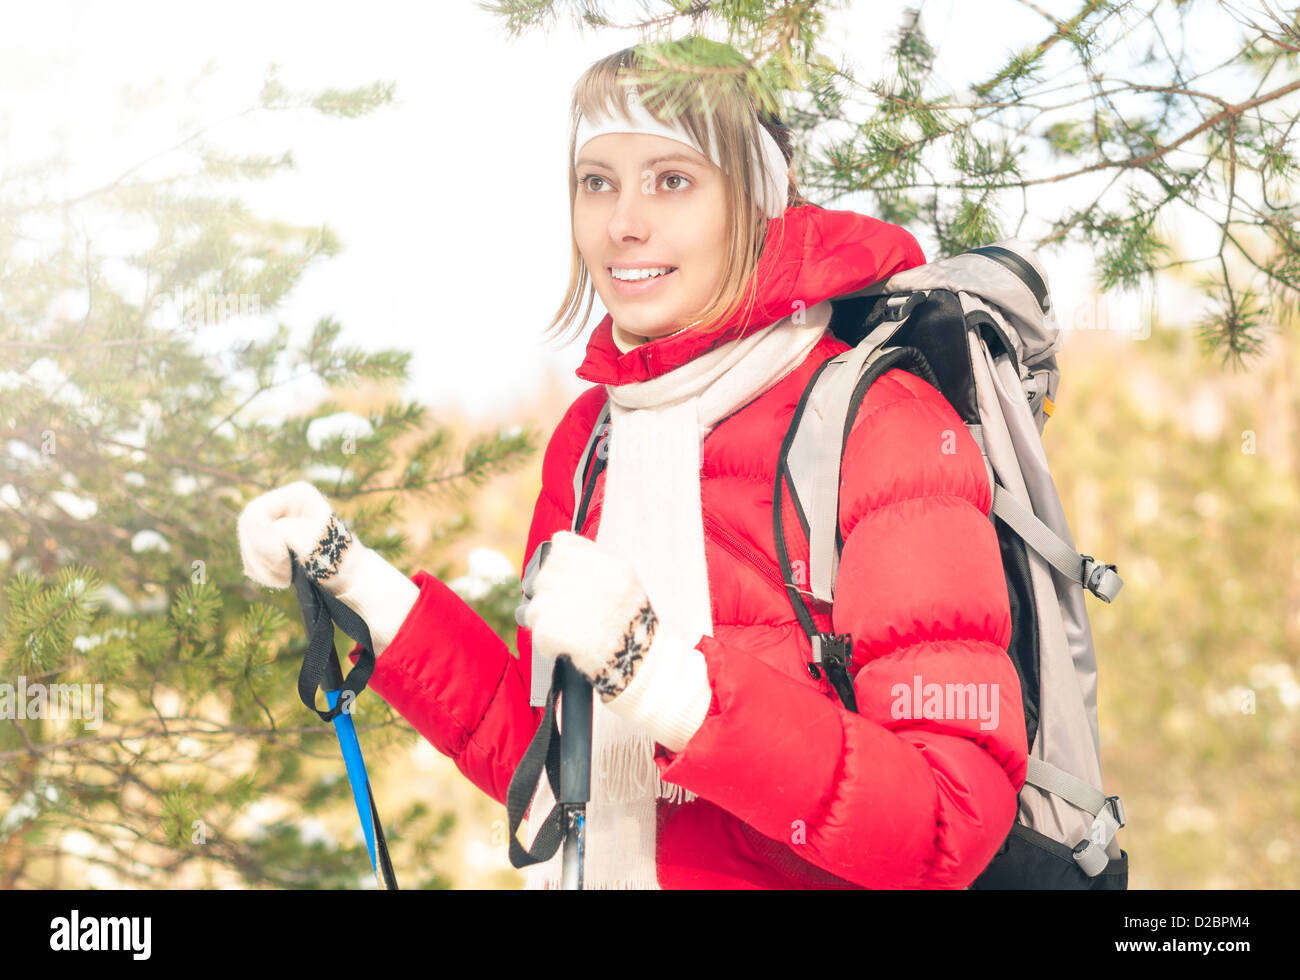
744,552
768,569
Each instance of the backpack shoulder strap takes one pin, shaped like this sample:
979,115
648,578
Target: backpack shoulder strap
813,470
818,433
809,461
583,475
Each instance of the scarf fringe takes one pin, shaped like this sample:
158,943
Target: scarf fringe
627,771
631,884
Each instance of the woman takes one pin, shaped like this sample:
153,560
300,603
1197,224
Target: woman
719,761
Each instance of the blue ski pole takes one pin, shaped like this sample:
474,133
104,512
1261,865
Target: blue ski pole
321,669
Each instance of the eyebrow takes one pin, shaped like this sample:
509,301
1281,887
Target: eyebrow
649,163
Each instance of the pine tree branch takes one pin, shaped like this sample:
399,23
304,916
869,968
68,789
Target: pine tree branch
167,459
1132,163
48,748
257,393
1142,160
1064,29
117,182
78,346
1292,45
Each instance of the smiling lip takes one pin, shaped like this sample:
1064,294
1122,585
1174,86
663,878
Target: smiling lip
643,285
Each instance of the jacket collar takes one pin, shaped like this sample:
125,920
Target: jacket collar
810,254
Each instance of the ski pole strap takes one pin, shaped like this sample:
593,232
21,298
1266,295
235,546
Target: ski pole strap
543,749
320,665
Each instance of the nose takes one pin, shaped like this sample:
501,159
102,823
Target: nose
630,219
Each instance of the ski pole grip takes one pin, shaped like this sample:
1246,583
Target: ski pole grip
575,734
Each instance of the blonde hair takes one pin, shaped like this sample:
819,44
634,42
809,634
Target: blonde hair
602,90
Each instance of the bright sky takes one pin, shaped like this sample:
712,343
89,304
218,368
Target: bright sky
451,205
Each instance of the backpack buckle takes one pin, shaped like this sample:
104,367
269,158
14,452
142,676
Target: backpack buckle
1117,808
1090,853
899,306
1103,581
832,649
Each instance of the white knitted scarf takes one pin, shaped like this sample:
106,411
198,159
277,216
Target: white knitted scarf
651,517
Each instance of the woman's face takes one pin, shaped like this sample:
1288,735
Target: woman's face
636,211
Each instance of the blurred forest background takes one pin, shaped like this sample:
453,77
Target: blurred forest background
129,449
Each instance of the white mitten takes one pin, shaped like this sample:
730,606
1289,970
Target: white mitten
298,518
591,607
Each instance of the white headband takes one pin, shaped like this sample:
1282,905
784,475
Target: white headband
771,173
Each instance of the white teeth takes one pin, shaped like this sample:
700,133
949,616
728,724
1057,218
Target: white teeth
632,275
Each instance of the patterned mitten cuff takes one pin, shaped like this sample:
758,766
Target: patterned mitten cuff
325,559
634,647
670,695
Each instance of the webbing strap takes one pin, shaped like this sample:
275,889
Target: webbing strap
580,471
1107,811
540,683
1060,783
1102,580
826,422
977,433
320,666
544,749
822,508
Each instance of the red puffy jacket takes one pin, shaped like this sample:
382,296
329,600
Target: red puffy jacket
794,791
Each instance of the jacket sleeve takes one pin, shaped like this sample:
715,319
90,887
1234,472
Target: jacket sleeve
894,796
450,675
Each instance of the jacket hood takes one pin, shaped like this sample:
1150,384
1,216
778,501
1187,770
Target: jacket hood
810,254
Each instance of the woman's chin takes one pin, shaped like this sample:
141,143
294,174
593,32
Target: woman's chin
646,332
643,322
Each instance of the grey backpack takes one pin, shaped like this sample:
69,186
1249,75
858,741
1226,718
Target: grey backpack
978,326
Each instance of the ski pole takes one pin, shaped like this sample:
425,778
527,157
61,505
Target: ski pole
561,754
329,677
575,769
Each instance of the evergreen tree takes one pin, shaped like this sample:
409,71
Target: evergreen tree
128,455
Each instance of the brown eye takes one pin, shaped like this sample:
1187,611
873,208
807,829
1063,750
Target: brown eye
668,177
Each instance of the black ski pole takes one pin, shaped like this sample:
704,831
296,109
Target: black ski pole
575,769
559,753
